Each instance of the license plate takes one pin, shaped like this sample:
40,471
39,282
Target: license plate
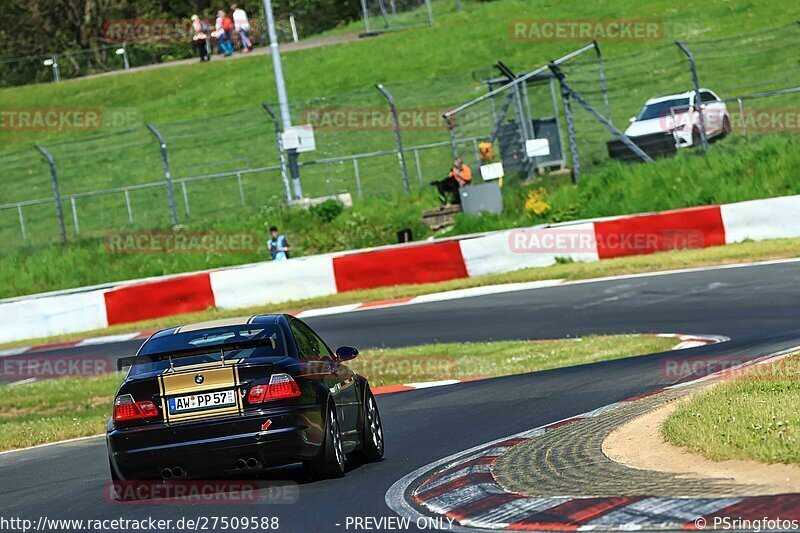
198,402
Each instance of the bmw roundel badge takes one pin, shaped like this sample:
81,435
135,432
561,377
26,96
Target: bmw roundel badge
199,379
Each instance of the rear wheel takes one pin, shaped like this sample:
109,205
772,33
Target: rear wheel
115,489
372,432
330,461
696,139
726,127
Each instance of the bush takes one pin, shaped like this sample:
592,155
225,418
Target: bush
327,211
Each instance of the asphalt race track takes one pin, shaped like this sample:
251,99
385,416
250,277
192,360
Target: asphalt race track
758,307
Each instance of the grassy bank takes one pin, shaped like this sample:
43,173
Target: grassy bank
722,255
53,410
753,417
428,69
765,164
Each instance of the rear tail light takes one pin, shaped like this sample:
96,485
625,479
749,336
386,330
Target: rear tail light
281,386
125,409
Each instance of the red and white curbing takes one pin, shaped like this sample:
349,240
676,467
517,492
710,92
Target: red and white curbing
463,488
693,341
441,260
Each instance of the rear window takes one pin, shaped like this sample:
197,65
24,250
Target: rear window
219,341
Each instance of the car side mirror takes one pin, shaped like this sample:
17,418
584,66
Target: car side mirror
346,353
632,120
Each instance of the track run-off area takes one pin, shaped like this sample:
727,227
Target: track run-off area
756,306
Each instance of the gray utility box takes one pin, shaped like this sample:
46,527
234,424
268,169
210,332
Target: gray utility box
482,197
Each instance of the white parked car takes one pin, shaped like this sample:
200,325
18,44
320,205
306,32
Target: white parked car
677,114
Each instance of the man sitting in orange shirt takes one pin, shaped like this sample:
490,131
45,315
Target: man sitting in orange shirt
460,176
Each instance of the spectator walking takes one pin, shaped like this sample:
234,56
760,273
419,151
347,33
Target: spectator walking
223,34
277,245
200,38
242,27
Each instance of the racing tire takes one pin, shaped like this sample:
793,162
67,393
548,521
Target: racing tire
697,139
726,127
116,481
330,461
372,431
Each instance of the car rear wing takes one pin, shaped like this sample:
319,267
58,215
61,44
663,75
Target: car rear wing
125,362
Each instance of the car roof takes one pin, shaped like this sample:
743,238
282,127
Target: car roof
211,324
687,94
657,99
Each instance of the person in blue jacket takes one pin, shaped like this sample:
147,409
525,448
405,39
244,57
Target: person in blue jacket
278,246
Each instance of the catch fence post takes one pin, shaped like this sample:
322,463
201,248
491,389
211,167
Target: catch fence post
162,143
56,194
281,152
698,102
400,153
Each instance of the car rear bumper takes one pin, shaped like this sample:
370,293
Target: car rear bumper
216,446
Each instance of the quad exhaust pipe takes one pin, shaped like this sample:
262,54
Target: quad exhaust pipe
250,463
173,473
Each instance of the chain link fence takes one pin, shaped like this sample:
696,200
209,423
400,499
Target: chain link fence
382,16
163,41
164,173
752,73
167,172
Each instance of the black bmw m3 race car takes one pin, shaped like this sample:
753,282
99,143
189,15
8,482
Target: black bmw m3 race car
238,395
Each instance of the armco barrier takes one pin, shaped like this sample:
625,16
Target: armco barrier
273,282
699,227
268,283
52,315
759,220
156,299
425,263
494,253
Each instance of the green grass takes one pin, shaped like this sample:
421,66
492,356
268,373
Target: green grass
441,57
734,171
754,417
722,255
59,409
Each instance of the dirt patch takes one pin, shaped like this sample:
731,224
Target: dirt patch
639,444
